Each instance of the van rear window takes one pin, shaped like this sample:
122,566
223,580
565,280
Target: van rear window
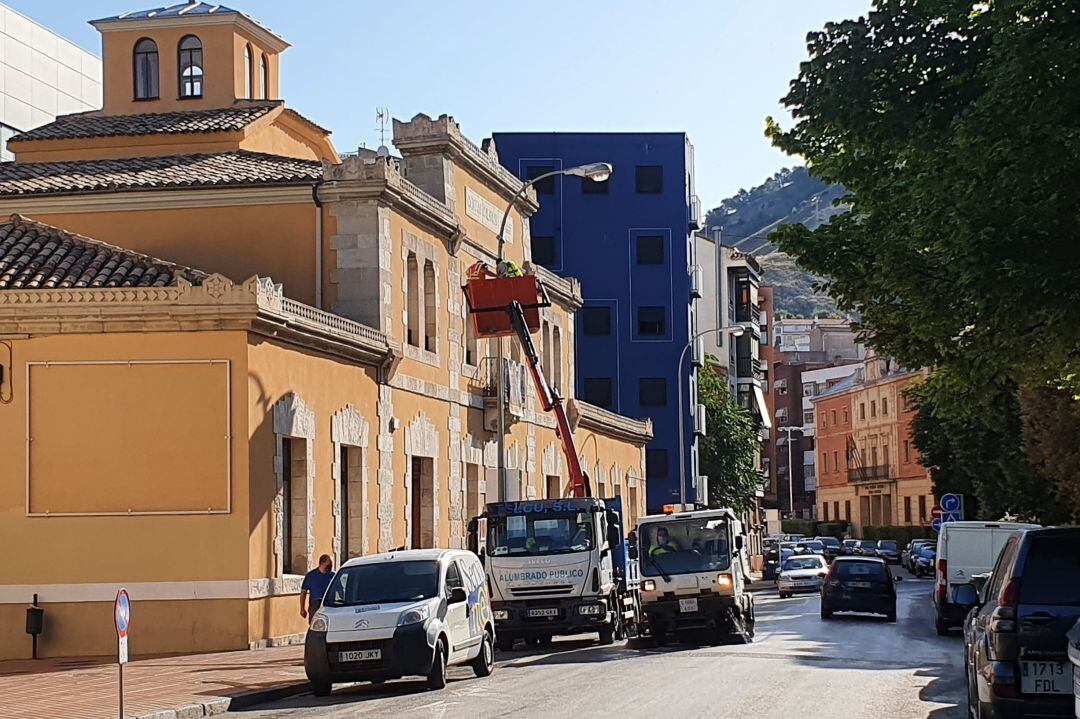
1052,571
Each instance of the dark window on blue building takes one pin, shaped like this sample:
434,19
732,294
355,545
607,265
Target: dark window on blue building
656,464
598,391
591,187
596,320
650,179
650,321
650,250
543,250
652,391
545,186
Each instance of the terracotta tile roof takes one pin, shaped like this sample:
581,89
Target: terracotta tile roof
138,173
36,256
92,124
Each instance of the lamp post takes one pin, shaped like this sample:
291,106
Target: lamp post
595,171
733,331
790,469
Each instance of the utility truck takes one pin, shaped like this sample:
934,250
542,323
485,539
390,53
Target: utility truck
559,565
694,570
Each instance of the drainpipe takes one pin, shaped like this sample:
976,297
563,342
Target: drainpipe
318,244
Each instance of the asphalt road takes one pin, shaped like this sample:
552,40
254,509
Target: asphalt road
797,666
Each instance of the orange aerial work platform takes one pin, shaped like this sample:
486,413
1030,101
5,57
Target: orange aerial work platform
490,299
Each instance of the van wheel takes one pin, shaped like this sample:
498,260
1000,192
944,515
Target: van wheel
485,660
505,643
891,616
321,689
941,627
607,634
436,678
826,613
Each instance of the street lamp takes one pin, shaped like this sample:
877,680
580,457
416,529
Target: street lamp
790,470
733,331
595,171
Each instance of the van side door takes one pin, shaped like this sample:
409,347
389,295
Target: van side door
457,612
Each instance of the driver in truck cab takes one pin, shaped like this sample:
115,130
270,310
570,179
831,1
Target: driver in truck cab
663,543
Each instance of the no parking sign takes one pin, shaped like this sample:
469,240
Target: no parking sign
122,620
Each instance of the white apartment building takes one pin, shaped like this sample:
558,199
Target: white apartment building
42,75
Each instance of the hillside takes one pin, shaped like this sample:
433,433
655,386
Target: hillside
746,219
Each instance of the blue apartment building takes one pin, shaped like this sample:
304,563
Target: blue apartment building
630,241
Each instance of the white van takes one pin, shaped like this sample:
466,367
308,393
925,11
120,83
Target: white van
965,549
403,613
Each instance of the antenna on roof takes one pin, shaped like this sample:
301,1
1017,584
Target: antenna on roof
382,114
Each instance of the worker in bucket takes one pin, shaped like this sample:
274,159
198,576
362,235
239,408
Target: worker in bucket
509,268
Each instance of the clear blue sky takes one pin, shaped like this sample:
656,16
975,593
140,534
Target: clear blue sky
712,68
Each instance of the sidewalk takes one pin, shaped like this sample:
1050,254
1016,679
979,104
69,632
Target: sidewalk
180,687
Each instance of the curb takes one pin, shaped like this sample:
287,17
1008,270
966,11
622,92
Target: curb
221,706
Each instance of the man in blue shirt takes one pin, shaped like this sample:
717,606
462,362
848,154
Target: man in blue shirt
314,587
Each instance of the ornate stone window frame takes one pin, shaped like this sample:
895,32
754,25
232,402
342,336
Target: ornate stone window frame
293,419
348,428
421,440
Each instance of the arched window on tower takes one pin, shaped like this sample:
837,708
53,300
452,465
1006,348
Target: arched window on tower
145,61
249,73
190,67
264,73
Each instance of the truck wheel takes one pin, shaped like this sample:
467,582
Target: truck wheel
505,643
660,635
485,660
321,689
607,634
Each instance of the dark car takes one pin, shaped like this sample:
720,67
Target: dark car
865,548
774,558
1015,644
847,547
911,552
924,561
888,550
859,584
831,545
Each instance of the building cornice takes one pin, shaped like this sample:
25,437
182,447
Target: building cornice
599,420
269,39
378,179
426,136
217,304
564,290
163,198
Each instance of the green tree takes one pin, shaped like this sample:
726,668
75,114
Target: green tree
728,450
1051,428
972,443
955,128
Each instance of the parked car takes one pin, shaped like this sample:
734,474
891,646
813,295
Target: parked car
963,550
793,537
924,561
403,613
810,546
908,556
847,547
802,573
832,547
1015,635
888,550
859,584
865,548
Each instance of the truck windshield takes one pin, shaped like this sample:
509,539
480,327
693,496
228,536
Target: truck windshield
684,546
536,534
383,583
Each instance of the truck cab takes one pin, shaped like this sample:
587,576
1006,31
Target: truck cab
693,574
555,567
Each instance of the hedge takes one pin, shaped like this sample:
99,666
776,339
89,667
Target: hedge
807,527
833,529
902,534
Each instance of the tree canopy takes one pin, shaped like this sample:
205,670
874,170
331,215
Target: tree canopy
727,452
954,126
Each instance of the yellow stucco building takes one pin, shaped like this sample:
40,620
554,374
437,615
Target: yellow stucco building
295,375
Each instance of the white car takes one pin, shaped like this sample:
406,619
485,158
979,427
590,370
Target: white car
802,573
404,613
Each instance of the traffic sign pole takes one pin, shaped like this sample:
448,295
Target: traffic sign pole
122,621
